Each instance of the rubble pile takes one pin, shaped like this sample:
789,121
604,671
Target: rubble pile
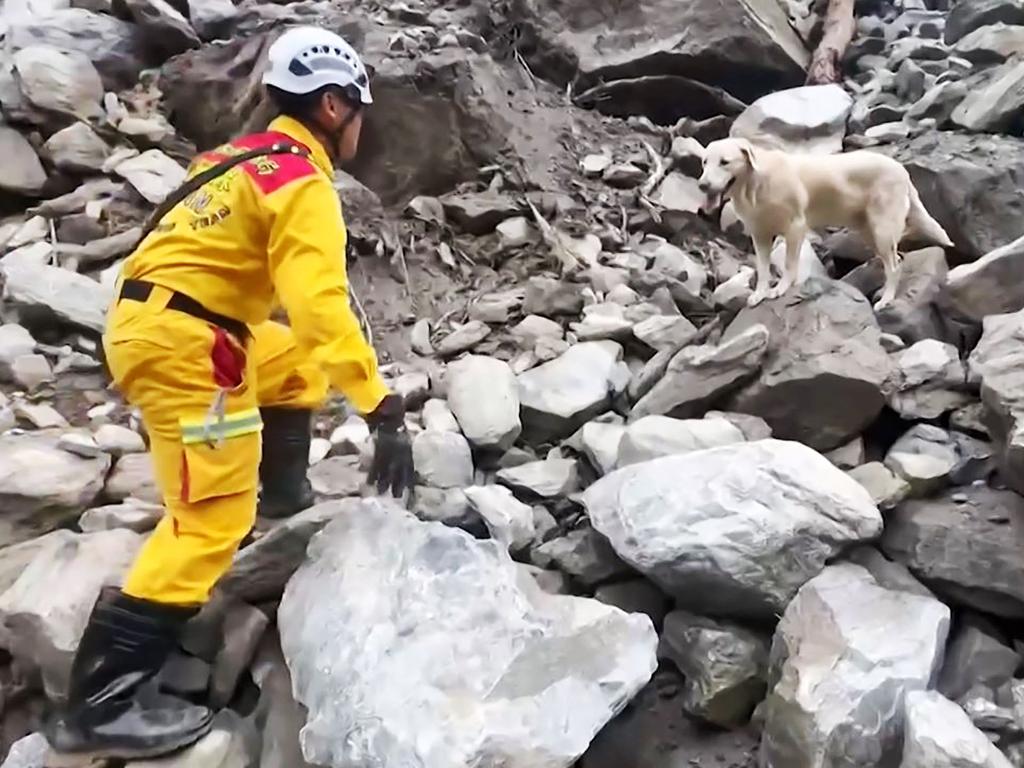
652,526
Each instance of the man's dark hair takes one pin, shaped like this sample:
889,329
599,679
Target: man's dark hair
303,106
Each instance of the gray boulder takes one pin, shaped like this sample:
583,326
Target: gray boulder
61,82
113,46
979,532
585,555
807,119
821,381
930,380
442,459
764,52
133,477
994,106
914,314
77,149
15,342
969,15
655,436
484,397
561,396
992,285
968,183
66,295
698,376
549,297
24,173
153,174
991,44
838,684
732,531
939,734
887,489
511,671
547,479
925,456
509,520
164,29
134,515
43,614
29,752
975,657
725,667
998,360
42,486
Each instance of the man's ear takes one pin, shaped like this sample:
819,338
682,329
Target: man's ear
748,152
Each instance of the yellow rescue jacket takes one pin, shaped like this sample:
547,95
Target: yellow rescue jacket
272,225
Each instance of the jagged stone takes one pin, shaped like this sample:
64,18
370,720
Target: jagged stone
152,174
60,293
979,532
509,633
463,338
808,119
837,683
484,398
163,27
134,515
998,361
479,214
994,107
707,543
560,396
77,148
42,486
442,459
939,734
698,376
43,614
550,298
15,342
725,667
821,380
133,477
509,520
337,477
975,657
992,285
653,437
970,15
584,555
547,479
886,488
991,44
23,174
930,380
243,628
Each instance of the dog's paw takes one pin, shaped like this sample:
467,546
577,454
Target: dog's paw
779,291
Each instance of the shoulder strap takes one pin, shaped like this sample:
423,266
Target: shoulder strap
196,182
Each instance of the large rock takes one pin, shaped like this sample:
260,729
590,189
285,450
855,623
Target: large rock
969,15
735,530
43,614
261,569
821,382
35,288
512,674
508,519
939,734
153,174
42,486
992,285
838,683
930,380
969,184
164,30
78,149
747,48
808,119
442,459
975,657
61,82
996,105
967,545
999,361
15,342
484,398
655,436
914,313
133,477
699,375
559,397
991,44
113,46
725,667
23,172
29,752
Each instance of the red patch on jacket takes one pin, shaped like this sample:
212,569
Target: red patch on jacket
270,172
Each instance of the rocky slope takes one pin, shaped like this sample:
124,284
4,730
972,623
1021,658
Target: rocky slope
653,527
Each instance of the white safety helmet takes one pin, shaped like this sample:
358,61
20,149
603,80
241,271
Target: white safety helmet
304,59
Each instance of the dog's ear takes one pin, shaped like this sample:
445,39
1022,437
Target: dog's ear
750,154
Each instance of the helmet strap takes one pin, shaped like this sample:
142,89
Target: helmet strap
336,134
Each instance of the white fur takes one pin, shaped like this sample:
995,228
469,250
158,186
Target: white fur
777,194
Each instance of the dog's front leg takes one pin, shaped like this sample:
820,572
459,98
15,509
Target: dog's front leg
763,263
795,236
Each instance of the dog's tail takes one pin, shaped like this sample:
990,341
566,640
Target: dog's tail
921,223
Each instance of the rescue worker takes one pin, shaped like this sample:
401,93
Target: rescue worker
189,343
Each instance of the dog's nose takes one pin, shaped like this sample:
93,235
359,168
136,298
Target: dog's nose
703,186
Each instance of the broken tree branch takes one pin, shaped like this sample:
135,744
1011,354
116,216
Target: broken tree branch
826,63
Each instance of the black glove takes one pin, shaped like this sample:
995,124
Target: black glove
392,458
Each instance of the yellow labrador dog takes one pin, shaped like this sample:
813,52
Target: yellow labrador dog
777,194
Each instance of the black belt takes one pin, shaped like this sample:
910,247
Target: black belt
139,290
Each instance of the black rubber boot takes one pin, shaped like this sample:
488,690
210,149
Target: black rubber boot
287,433
125,644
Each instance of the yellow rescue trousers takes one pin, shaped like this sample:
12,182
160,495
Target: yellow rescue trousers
177,369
